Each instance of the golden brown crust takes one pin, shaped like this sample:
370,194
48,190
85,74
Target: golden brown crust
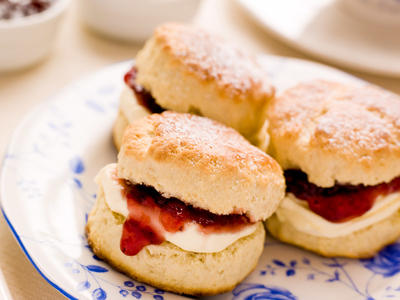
168,267
337,133
363,243
186,69
212,58
201,162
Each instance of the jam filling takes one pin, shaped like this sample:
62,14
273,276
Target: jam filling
341,202
143,96
151,214
16,9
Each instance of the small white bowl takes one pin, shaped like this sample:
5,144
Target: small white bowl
26,40
134,20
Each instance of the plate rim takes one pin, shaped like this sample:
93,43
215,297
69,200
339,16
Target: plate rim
11,143
25,119
24,250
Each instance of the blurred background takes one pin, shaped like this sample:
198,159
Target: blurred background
44,53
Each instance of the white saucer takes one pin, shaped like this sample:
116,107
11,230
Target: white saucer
322,29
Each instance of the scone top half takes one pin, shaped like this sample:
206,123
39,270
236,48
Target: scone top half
337,133
339,145
186,69
203,163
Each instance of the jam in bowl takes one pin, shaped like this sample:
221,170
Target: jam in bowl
12,9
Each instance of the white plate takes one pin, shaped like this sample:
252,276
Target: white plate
322,29
47,189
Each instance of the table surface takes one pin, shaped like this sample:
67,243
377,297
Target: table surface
79,52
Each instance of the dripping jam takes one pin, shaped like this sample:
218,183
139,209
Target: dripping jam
144,97
341,202
151,214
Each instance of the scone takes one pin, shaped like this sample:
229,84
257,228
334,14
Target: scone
340,148
185,69
182,208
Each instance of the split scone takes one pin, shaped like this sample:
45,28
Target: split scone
340,148
182,208
185,69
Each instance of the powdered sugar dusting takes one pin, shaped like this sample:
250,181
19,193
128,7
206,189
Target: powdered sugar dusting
355,120
201,139
212,58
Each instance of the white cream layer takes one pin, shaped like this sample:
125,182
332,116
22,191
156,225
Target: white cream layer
130,107
190,239
298,214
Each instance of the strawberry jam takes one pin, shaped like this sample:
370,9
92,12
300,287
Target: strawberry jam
341,202
144,97
151,214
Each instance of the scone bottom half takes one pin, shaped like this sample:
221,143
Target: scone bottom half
342,173
169,267
344,220
158,216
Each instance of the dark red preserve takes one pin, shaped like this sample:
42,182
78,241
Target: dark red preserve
148,209
143,96
341,202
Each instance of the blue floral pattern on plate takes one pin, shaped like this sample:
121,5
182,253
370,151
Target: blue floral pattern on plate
386,263
249,291
48,190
